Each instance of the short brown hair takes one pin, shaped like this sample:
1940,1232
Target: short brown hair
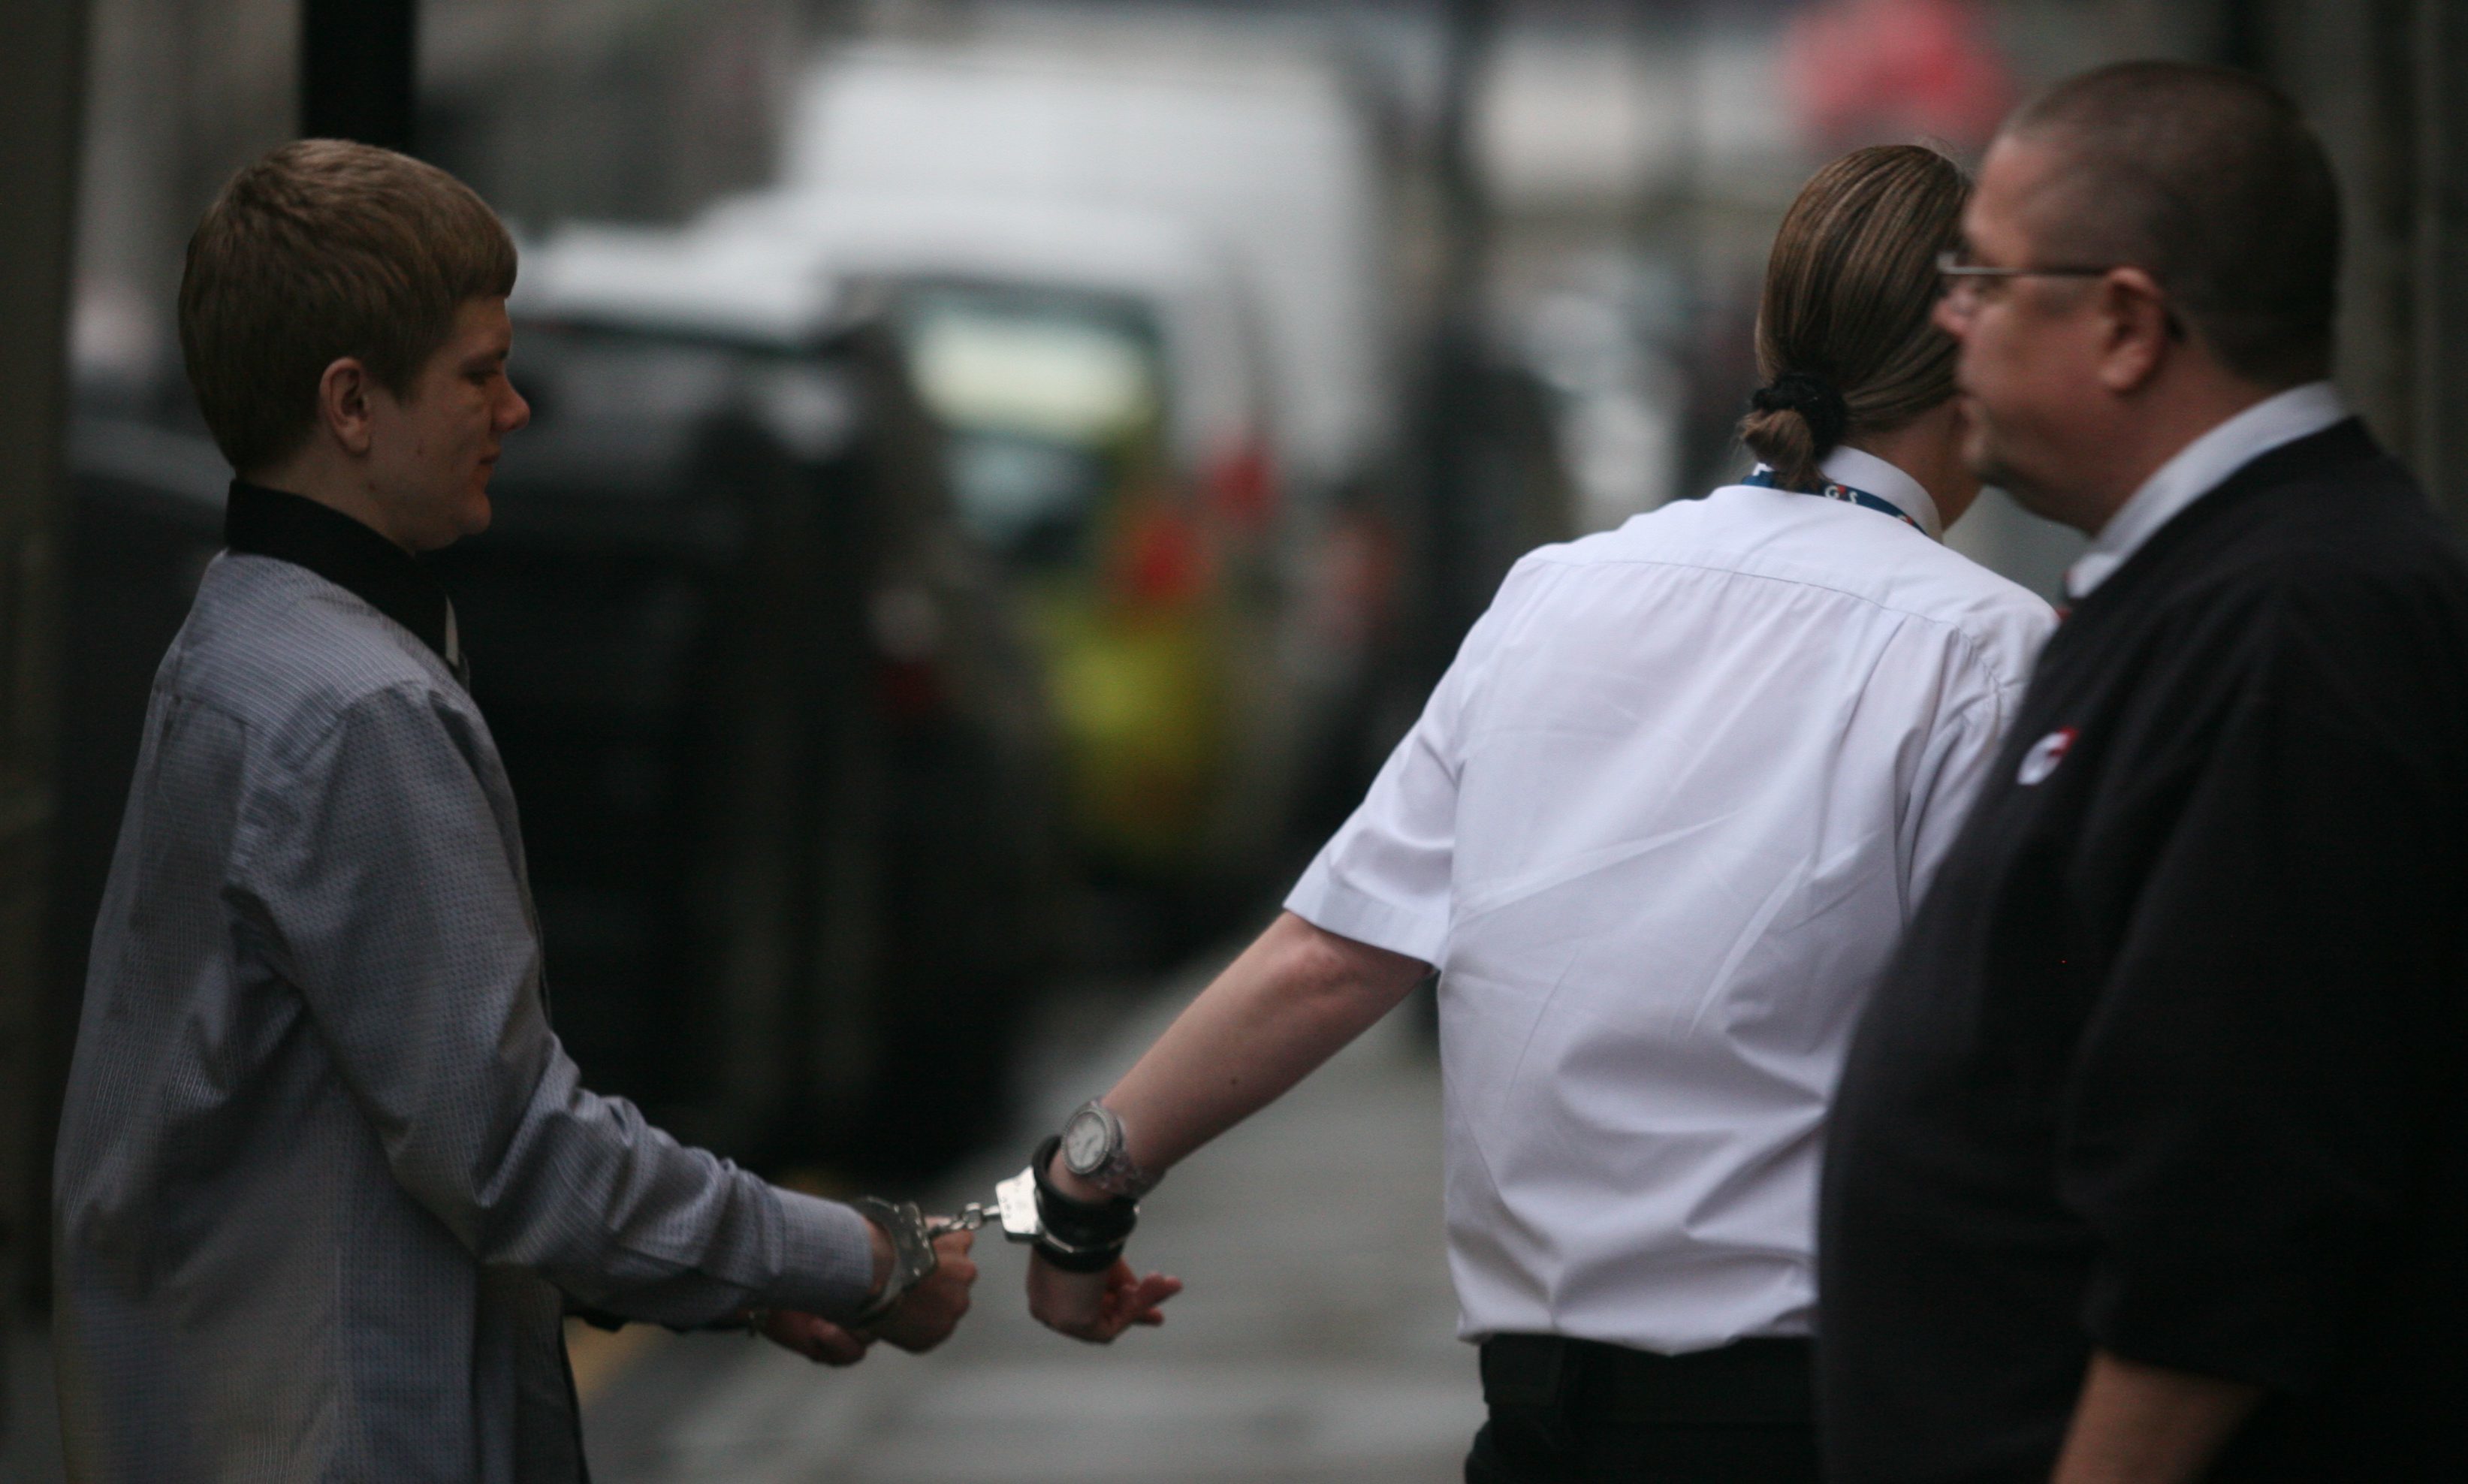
2209,179
1849,289
325,249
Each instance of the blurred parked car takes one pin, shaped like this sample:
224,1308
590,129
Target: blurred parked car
1260,145
1053,405
1098,385
1214,211
778,753
1097,376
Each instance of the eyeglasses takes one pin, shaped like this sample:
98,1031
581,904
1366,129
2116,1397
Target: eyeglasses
1963,284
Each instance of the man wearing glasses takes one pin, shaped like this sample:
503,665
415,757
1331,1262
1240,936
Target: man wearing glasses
2150,1160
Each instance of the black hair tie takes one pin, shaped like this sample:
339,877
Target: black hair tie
1813,397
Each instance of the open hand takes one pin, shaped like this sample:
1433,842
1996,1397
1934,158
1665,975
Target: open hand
1096,1307
926,1314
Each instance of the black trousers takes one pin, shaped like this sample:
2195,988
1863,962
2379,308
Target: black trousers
1574,1411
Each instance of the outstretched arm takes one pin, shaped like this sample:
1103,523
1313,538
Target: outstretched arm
1294,998
375,875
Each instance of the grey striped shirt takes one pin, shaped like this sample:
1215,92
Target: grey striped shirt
326,1178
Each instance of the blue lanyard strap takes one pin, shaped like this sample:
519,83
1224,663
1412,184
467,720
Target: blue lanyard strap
1763,479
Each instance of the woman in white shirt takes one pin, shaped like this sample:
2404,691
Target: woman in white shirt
1658,830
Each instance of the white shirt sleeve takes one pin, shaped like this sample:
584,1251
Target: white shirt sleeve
1960,751
1383,877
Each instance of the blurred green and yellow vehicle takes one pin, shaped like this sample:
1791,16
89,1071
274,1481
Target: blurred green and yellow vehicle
1054,406
1203,606
1147,278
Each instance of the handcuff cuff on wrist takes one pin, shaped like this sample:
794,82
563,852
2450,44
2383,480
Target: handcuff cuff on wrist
1078,1235
1075,1235
911,1234
913,1259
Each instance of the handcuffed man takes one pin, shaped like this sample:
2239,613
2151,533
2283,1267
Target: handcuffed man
326,1182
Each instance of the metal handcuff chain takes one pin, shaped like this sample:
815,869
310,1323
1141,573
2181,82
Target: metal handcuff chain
1018,1210
1022,1208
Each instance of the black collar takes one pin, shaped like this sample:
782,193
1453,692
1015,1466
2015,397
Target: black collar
263,522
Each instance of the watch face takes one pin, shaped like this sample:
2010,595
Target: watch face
1083,1142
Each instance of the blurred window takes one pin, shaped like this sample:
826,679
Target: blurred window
1040,394
616,376
620,412
1028,498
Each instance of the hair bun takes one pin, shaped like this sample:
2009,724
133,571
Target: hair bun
1813,397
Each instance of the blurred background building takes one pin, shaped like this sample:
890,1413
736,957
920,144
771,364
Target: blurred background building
1004,471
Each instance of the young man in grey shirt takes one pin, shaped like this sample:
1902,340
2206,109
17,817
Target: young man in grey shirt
327,1181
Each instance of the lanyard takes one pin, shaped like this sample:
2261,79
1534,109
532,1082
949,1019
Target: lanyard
1763,479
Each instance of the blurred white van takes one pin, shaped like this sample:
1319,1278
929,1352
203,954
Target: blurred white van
1144,288
1210,325
1263,149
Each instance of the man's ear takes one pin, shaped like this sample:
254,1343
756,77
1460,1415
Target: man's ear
2137,328
343,404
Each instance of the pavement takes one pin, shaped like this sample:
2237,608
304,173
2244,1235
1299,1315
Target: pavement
1315,1341
29,1426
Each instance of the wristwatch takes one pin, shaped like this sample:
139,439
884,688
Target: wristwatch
912,1251
1093,1148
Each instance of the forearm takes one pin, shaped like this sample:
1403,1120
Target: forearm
1289,1003
2140,1424
623,1218
420,977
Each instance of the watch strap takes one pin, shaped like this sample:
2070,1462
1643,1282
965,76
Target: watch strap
1078,1235
1081,1260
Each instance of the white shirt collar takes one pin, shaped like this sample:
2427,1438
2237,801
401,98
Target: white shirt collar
2197,469
1849,465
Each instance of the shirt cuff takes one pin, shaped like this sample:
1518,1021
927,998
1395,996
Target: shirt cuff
1331,905
827,1261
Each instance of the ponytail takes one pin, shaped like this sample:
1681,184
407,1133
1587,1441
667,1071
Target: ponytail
1793,422
1844,332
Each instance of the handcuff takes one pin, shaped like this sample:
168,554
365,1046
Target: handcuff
913,1259
1076,1236
911,1234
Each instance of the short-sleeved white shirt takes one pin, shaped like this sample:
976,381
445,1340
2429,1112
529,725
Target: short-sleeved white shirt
1660,825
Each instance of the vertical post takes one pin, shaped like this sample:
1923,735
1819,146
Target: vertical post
42,75
1449,390
2439,313
2245,35
357,69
